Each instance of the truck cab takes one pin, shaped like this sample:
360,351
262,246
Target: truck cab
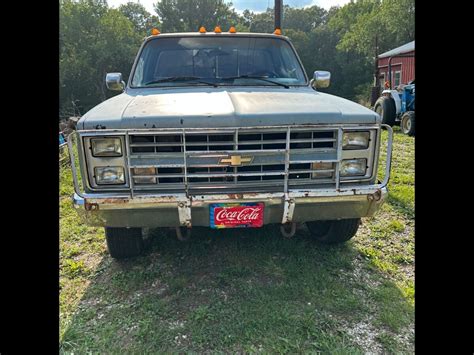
225,130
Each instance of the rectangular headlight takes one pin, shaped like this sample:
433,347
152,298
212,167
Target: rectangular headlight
355,140
144,179
106,147
110,175
353,167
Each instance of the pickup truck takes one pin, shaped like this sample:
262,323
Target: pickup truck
225,130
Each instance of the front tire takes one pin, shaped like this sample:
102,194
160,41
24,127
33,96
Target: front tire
407,123
385,107
332,232
124,242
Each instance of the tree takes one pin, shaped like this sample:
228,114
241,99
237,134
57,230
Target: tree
306,19
263,22
393,21
190,15
93,40
142,20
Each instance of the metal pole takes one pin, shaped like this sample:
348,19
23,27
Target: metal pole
376,64
278,9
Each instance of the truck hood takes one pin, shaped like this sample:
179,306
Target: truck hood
199,107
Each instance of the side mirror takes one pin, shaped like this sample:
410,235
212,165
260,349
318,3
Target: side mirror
321,79
114,82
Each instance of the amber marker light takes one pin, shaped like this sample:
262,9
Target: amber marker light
277,32
217,29
232,29
155,32
202,29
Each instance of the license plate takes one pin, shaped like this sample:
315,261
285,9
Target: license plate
236,215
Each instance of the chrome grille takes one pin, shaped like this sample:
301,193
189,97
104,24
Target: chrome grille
191,159
195,142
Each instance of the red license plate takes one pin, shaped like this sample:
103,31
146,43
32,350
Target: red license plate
235,215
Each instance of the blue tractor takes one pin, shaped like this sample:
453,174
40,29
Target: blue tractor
398,106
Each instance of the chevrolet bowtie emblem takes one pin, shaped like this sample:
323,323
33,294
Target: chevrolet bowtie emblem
236,160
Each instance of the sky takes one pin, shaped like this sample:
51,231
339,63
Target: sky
241,5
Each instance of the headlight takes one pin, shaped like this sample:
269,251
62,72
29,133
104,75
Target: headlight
111,175
106,147
144,179
321,173
353,167
355,140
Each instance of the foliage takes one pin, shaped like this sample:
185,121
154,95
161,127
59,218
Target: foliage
142,20
94,40
393,21
190,15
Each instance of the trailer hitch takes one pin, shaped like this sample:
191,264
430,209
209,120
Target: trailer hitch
184,237
288,230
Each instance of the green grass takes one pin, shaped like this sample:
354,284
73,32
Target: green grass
245,290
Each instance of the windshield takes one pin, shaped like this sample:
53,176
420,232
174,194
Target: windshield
222,60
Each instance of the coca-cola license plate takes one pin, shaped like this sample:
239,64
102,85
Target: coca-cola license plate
234,215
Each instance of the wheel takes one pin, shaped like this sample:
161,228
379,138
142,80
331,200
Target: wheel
331,232
124,242
407,123
385,107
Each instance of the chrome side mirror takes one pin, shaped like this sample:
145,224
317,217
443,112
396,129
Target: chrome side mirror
114,82
321,79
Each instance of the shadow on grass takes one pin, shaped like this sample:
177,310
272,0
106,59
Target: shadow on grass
400,204
239,291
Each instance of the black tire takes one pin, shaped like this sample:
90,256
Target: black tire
332,232
385,107
124,242
407,123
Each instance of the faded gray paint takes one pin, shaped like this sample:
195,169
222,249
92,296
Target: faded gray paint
197,107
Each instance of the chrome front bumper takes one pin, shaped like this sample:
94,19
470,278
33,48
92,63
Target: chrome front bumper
178,210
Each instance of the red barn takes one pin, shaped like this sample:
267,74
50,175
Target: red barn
402,65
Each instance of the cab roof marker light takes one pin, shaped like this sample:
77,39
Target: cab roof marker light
277,32
202,29
232,29
155,32
217,29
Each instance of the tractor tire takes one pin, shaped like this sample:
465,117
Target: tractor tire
124,242
332,232
385,107
407,123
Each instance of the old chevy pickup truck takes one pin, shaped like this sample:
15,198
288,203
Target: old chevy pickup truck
224,130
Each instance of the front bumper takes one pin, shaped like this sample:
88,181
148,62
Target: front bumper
177,210
137,209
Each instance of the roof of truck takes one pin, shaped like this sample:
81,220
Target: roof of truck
212,33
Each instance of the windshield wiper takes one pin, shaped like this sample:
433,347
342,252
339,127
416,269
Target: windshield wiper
180,78
263,78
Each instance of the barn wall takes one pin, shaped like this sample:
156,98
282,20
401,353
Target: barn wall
405,64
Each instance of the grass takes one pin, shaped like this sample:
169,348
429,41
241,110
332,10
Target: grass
245,290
